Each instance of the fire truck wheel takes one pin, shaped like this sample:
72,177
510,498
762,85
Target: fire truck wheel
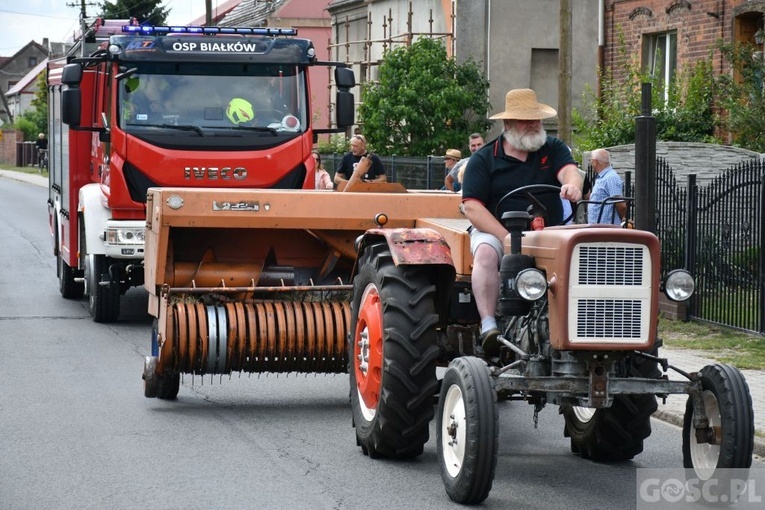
69,288
392,351
104,300
467,431
614,433
728,406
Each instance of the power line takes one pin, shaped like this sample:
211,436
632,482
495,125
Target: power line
35,15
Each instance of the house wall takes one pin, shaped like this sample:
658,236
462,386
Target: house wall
699,25
17,67
516,43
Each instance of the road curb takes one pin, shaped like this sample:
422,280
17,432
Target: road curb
37,180
674,419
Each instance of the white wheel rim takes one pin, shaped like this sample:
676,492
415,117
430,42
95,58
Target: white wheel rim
583,414
90,281
453,431
705,456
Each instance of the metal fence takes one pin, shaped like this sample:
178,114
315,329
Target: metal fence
413,173
715,231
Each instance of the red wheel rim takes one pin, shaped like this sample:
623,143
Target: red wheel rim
368,350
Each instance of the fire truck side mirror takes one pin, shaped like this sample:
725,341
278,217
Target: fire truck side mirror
71,100
71,74
345,111
71,97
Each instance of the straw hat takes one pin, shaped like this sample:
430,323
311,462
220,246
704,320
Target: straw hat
454,154
521,104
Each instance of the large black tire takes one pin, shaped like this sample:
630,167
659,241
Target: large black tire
728,406
69,288
467,431
392,351
614,433
103,300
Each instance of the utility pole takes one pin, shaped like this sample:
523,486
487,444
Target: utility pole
83,22
564,73
208,13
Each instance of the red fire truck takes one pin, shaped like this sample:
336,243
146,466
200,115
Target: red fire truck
143,107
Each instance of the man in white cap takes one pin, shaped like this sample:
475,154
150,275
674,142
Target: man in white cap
522,155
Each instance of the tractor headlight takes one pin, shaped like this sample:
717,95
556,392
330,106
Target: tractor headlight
531,284
123,236
679,285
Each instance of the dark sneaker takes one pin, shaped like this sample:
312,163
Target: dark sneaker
490,342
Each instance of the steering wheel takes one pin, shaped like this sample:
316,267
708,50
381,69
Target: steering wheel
269,116
531,191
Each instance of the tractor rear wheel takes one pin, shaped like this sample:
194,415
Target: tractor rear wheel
392,351
614,433
467,431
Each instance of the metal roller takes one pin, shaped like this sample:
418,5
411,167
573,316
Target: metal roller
269,336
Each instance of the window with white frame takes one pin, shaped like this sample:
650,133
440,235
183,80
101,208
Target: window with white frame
660,57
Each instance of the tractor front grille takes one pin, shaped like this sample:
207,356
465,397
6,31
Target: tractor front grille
610,293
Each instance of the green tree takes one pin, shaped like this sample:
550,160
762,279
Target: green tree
35,120
423,101
149,12
743,96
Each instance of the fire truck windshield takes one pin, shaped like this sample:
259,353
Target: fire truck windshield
215,99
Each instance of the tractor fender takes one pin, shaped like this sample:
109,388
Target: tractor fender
415,247
94,216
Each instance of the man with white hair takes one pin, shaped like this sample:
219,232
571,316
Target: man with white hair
607,184
522,155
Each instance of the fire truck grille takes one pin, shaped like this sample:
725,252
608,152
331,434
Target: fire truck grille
610,293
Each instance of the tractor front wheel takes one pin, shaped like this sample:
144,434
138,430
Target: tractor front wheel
730,436
392,352
467,431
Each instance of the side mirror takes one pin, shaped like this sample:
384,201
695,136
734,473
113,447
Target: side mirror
345,112
71,103
71,74
344,78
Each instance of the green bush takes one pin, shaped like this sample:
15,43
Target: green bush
684,111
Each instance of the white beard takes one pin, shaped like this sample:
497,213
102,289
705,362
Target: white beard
527,142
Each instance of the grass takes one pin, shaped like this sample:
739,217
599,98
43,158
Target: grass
737,348
24,169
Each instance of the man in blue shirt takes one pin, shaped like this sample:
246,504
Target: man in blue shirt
607,184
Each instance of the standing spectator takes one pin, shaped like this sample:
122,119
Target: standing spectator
522,155
358,144
451,158
323,180
475,142
607,184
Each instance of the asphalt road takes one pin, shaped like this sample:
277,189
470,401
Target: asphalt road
77,433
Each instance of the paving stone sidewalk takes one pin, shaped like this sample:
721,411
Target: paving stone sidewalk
689,361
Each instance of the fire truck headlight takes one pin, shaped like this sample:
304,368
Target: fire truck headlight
124,236
115,49
679,285
531,284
